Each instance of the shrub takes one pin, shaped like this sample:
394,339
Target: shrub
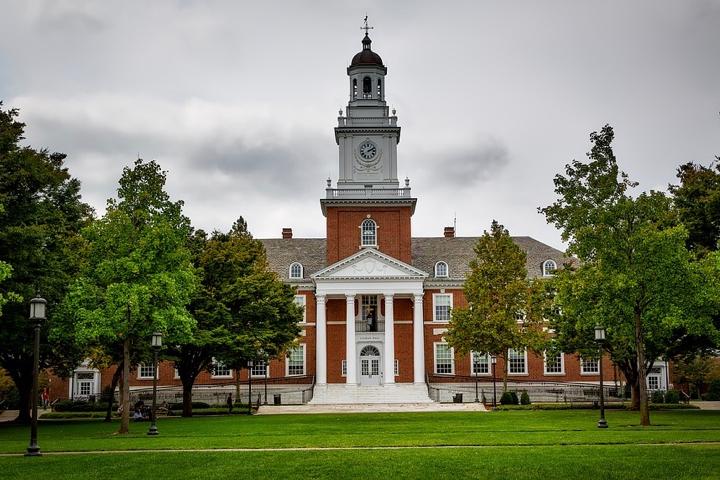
524,398
672,396
507,398
179,405
713,392
514,398
658,396
79,406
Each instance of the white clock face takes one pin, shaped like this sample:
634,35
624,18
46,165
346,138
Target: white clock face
367,150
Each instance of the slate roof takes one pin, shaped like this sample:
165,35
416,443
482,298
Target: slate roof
426,251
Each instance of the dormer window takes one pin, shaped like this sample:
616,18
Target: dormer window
296,271
548,268
368,233
441,269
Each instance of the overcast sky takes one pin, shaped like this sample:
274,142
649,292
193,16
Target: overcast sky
238,99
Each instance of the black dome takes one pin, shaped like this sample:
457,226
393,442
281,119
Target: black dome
366,57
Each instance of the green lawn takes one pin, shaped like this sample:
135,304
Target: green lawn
517,444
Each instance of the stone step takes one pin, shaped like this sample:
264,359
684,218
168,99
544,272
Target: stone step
371,408
376,394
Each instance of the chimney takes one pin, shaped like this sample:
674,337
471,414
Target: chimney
287,232
449,232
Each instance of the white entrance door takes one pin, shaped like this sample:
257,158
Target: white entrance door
370,366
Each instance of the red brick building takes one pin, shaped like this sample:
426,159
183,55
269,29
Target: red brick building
377,300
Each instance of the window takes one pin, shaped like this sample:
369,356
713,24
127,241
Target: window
517,362
300,302
379,88
367,87
369,313
441,269
554,364
397,367
176,373
548,268
145,371
220,370
368,234
85,387
296,271
442,305
343,368
480,363
653,382
296,361
520,317
354,87
260,369
589,366
444,359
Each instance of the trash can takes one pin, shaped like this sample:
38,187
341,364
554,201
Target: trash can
276,399
457,398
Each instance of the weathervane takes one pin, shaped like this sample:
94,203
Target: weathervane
366,28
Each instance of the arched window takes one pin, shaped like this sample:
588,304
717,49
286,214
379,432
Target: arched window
548,268
379,89
369,351
354,87
441,269
367,85
296,270
368,233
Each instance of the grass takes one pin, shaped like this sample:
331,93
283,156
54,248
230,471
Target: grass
510,444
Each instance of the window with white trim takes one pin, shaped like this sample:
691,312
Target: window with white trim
85,387
479,363
296,361
343,368
397,367
176,373
260,369
368,233
444,359
220,370
554,363
517,362
442,305
441,269
300,302
145,372
296,271
589,366
548,268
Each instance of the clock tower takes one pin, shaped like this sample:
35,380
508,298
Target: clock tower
367,190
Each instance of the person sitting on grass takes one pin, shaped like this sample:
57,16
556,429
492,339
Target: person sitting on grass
138,415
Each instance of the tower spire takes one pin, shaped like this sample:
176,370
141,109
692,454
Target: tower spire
366,27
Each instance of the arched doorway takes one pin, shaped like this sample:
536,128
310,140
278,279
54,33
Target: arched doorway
370,371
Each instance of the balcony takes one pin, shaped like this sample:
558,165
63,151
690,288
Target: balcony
335,193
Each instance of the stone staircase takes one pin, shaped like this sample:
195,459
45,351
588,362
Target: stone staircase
340,394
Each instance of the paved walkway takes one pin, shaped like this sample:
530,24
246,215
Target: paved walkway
9,415
706,405
371,408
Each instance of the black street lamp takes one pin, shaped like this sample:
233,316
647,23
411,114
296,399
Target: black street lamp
493,361
250,367
156,344
475,372
37,316
600,339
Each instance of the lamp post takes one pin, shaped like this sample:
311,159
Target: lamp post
600,339
493,361
475,372
250,367
37,316
156,344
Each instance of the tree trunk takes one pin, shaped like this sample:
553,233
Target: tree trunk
187,397
634,396
111,396
237,385
641,381
125,401
505,373
23,383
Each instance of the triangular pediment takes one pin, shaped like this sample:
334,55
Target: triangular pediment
369,263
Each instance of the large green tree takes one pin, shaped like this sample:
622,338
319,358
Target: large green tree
39,239
498,293
697,199
241,307
636,276
138,276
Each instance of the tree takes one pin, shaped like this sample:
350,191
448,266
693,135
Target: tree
636,276
241,307
138,277
498,292
697,200
40,241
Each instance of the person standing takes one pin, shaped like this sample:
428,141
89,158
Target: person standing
230,403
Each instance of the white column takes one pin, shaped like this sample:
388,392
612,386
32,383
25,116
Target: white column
350,338
418,340
320,341
389,340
